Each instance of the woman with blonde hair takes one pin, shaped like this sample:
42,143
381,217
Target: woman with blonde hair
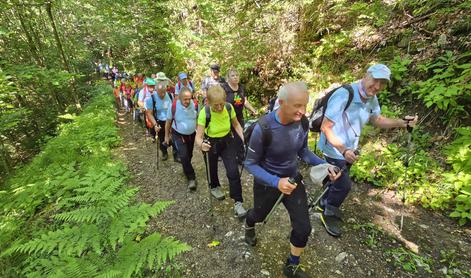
215,138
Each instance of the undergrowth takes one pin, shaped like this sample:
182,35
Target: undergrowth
69,213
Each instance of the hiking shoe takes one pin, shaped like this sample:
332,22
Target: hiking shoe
192,184
331,224
250,236
164,156
294,271
176,159
239,210
217,193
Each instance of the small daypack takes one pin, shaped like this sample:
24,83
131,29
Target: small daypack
266,131
320,106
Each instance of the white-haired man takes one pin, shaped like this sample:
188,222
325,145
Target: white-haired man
275,145
341,129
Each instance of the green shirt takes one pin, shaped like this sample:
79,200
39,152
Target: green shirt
219,125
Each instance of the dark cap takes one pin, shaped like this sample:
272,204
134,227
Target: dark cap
214,67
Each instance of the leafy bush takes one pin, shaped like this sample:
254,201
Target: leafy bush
448,88
459,156
69,212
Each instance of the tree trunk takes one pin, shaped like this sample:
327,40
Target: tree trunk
31,44
61,50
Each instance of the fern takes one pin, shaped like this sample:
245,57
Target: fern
70,213
153,251
133,220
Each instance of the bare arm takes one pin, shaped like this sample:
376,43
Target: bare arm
383,122
168,125
199,139
326,127
249,106
238,128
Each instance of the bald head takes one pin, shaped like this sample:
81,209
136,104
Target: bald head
292,88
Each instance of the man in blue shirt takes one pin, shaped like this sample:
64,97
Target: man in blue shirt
183,82
341,133
156,111
181,127
272,165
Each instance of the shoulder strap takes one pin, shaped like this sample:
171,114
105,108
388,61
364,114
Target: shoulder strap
195,104
305,123
349,88
174,109
207,111
229,110
191,84
266,132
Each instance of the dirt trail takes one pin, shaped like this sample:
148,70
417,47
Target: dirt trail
364,250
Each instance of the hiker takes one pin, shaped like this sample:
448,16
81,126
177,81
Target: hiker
129,93
272,164
169,85
183,82
214,124
148,87
156,107
341,130
235,95
181,128
213,79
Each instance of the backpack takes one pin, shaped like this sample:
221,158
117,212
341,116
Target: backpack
266,131
208,114
148,122
320,106
174,109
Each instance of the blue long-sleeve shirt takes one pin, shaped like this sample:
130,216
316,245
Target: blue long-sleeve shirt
279,159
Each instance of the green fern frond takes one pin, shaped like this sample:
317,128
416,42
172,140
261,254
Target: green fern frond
152,251
133,220
68,241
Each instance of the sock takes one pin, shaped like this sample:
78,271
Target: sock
292,259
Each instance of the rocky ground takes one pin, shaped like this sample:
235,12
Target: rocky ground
430,245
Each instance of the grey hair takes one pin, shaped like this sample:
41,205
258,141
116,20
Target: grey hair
161,84
286,88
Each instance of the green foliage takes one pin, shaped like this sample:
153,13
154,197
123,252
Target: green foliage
85,221
410,261
448,88
459,157
372,232
399,67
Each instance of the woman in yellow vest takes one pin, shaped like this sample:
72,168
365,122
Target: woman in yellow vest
215,138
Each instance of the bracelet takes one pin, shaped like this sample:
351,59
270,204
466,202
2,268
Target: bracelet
343,153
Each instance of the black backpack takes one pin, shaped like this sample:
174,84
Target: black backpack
320,106
266,130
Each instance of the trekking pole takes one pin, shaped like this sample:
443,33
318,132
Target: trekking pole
145,129
291,180
205,158
327,185
406,164
157,152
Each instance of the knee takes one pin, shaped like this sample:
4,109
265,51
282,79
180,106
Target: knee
300,234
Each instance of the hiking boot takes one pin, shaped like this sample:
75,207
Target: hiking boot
239,210
164,156
294,271
331,221
176,159
250,236
217,193
192,184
